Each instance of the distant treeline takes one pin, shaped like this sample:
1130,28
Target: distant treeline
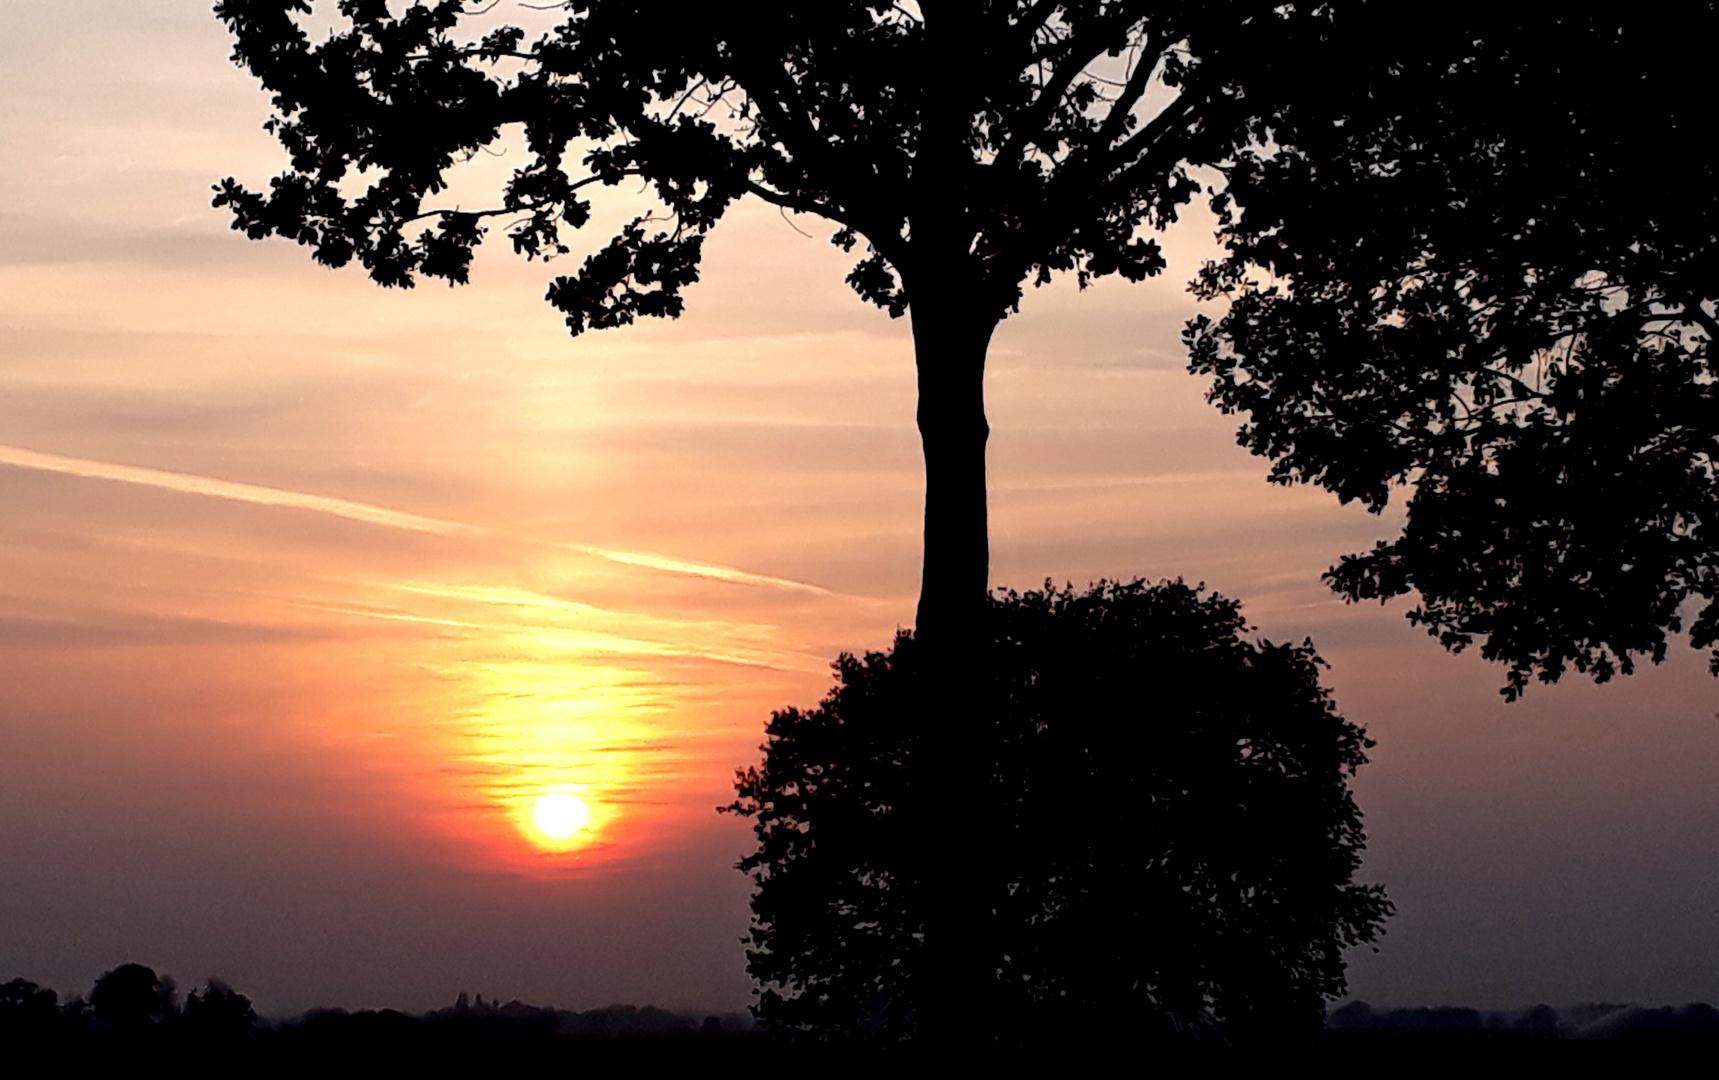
133,1012
1594,1020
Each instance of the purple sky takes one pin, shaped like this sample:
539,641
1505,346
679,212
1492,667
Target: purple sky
310,590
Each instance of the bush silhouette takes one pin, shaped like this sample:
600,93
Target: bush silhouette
131,1000
1168,806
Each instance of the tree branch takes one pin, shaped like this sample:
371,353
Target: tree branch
810,153
1082,50
798,204
1036,17
1145,141
1138,79
1694,312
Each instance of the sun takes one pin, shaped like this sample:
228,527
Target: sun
559,816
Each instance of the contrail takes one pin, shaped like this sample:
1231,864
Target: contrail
357,511
227,489
697,569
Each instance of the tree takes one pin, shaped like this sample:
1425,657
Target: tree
971,147
1471,291
1179,834
28,1013
132,1000
1481,266
219,1013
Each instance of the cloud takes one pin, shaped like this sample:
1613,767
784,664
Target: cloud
136,629
364,512
570,627
226,489
697,569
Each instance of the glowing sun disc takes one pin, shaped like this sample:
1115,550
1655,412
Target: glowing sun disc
560,816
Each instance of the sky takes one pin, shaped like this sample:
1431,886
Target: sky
311,591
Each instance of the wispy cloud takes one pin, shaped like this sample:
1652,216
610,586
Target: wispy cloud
569,625
227,489
391,616
697,569
370,514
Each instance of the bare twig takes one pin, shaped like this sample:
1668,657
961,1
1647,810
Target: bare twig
783,210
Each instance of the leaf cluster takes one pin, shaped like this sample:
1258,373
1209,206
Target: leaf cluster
1480,267
1170,800
990,142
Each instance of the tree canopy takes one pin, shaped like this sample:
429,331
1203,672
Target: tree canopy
1019,139
968,147
132,999
1445,270
1169,801
1480,266
1469,256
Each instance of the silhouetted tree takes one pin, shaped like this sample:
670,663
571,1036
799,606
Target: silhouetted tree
1479,263
219,1013
1172,805
131,1000
1472,291
970,147
76,1016
27,1011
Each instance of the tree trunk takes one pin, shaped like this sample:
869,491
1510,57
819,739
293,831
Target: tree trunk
958,854
949,351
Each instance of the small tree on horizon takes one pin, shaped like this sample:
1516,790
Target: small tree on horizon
132,1000
219,1013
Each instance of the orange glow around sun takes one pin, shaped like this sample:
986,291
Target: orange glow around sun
563,724
556,728
555,744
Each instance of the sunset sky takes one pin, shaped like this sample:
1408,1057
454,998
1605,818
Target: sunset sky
310,591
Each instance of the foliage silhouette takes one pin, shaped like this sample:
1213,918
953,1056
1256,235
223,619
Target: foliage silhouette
1172,805
219,1013
217,1031
971,148
491,1037
1454,274
132,1000
28,1013
1486,303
